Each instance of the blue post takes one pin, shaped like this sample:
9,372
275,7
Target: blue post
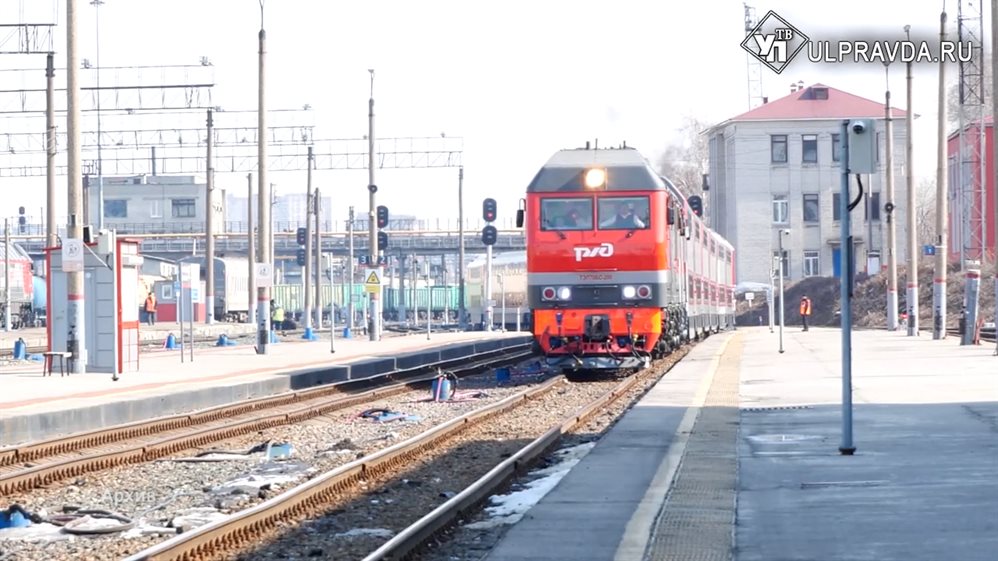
846,272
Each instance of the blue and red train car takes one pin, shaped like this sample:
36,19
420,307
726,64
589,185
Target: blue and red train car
621,268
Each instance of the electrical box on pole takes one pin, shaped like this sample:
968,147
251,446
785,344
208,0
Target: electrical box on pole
489,210
862,146
382,216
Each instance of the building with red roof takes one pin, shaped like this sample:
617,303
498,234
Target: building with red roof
777,167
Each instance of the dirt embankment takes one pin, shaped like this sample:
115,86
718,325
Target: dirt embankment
869,302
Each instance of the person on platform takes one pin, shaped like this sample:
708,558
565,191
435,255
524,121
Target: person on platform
805,310
151,309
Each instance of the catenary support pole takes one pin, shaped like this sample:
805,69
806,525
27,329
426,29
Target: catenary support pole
892,264
263,205
911,297
942,205
209,226
309,207
51,232
76,305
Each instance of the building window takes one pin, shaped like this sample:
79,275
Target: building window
836,148
811,207
836,206
809,149
116,208
183,208
784,265
811,268
155,211
778,148
872,211
781,209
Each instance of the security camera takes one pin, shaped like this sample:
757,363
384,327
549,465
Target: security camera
858,128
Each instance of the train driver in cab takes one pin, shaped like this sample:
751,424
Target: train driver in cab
624,218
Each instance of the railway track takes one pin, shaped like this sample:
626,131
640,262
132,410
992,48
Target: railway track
987,335
40,464
381,471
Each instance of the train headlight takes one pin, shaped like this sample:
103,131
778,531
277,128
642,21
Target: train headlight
595,178
629,292
564,293
644,291
548,293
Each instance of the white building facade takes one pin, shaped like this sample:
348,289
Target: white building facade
777,167
151,204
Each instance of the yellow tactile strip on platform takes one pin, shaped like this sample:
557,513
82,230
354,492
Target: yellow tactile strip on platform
697,519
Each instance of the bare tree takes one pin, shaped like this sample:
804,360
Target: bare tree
685,162
925,211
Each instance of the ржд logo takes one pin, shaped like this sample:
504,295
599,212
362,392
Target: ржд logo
604,249
774,42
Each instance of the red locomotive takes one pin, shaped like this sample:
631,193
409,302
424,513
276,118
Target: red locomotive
620,267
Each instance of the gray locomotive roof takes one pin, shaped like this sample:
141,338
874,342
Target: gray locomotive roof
626,169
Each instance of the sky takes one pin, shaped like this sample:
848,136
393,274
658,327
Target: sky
516,81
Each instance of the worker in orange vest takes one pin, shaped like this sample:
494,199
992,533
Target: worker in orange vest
151,309
805,310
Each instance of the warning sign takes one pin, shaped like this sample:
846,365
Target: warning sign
373,281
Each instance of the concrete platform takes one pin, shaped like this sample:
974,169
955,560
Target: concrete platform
36,336
735,456
36,407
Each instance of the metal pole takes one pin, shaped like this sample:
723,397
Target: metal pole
488,289
263,209
771,296
250,252
51,234
372,222
310,204
892,264
502,289
429,301
912,221
783,304
6,274
75,293
461,320
209,226
318,271
100,164
994,151
350,309
939,276
846,260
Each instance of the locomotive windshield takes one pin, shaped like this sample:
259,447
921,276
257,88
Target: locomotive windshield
624,213
566,214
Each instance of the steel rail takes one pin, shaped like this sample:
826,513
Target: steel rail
439,519
45,474
312,497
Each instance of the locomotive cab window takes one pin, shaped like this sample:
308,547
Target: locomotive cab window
566,214
624,213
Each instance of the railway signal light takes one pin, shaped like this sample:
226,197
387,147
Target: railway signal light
696,203
489,210
300,257
301,236
382,241
382,216
489,235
